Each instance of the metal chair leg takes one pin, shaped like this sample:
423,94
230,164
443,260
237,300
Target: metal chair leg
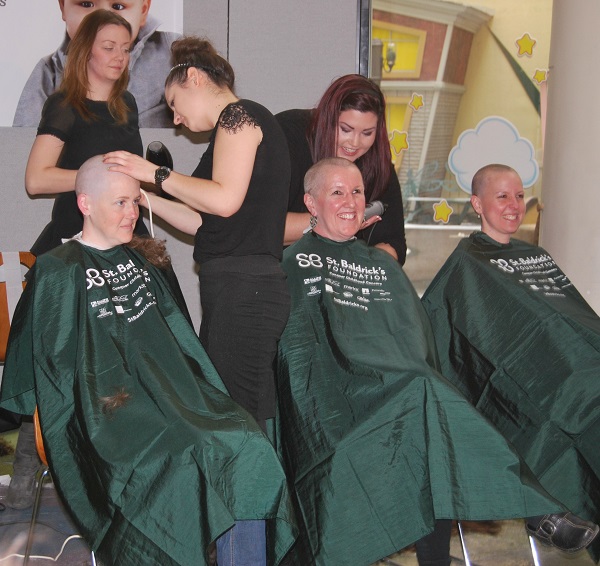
461,536
41,475
534,553
43,472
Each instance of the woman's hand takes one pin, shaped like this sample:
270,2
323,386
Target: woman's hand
370,222
381,245
296,223
177,214
131,164
144,199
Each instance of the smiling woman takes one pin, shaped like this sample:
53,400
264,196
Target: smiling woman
337,204
516,337
348,122
356,133
358,383
499,199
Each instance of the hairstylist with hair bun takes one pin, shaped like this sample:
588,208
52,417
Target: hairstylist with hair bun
235,204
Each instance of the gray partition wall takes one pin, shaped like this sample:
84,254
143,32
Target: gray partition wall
284,54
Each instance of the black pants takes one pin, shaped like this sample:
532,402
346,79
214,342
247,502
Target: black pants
245,307
434,549
9,420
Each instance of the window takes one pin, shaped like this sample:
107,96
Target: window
402,51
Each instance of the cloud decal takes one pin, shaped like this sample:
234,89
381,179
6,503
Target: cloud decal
494,140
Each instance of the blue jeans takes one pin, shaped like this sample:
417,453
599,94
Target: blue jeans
245,544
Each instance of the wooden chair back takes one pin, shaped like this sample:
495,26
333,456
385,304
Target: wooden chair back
39,439
11,286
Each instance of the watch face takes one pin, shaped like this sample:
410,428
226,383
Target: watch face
162,173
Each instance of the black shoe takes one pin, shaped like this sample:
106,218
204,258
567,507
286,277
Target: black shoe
565,531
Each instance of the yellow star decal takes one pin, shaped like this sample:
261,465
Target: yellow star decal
540,76
399,141
442,211
416,101
525,44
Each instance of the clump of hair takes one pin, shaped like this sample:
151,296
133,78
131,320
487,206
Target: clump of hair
155,251
111,403
5,448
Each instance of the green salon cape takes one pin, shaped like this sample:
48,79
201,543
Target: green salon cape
155,480
378,444
516,337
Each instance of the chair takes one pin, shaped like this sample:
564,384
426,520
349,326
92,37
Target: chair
463,544
467,562
12,267
43,472
11,286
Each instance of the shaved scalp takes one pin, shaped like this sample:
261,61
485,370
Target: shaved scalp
483,177
94,176
314,176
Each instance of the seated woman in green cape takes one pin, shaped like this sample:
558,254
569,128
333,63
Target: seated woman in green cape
381,451
151,457
517,338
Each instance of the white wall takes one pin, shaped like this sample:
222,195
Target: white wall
570,230
284,53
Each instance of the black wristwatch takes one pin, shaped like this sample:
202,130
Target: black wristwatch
160,175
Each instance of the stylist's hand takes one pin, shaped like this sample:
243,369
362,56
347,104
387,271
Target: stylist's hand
369,222
131,164
145,199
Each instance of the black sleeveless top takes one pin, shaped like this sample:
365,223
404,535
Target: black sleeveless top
257,227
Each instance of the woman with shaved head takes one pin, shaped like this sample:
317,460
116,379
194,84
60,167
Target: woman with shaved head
517,338
149,454
91,113
381,451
